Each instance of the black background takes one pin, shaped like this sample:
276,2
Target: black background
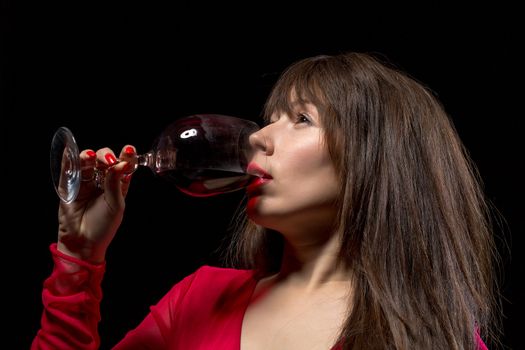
118,73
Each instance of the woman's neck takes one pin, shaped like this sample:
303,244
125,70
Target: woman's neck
313,263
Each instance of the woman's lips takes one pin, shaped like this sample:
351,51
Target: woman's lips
256,170
262,177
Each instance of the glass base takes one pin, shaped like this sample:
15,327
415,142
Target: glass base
65,165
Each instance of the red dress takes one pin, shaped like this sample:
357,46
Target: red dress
203,311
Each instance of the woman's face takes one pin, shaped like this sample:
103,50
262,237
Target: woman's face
299,184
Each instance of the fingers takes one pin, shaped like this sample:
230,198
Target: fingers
102,170
129,155
93,164
117,174
114,188
106,158
88,160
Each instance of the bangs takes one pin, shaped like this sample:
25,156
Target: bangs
300,84
317,81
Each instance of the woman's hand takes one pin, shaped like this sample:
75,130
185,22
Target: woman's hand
88,224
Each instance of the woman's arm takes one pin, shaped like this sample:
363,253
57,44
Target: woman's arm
72,293
71,298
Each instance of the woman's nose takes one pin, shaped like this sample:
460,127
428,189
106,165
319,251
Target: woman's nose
260,141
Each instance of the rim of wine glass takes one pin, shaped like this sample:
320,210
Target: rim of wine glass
64,141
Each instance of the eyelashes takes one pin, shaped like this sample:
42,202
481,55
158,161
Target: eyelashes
302,118
296,118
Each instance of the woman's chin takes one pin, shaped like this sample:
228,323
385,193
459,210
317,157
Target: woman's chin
256,213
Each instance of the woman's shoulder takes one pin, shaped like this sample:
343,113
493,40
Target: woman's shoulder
211,284
209,289
222,276
210,279
208,284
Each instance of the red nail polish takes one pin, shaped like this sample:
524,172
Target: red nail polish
110,159
129,150
91,154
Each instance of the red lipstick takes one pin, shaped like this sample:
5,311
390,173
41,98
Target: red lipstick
256,170
262,177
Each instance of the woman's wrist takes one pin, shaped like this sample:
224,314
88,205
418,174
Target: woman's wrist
89,254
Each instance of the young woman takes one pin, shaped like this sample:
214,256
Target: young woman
366,229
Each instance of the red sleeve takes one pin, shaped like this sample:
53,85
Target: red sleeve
71,298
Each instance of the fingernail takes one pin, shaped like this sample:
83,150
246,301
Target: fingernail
91,154
110,159
129,150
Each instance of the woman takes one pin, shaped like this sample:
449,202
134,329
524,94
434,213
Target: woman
366,229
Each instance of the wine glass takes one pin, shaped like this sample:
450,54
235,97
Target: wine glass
203,155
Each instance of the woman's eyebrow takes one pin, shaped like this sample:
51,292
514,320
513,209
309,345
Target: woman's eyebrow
308,105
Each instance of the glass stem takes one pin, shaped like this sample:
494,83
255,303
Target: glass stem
146,159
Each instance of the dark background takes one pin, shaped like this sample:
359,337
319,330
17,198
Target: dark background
118,73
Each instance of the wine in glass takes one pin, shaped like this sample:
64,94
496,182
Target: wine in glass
203,155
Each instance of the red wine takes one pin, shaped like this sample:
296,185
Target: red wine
206,182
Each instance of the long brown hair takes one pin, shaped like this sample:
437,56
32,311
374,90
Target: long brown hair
414,222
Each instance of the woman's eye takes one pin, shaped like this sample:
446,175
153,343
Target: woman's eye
302,118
